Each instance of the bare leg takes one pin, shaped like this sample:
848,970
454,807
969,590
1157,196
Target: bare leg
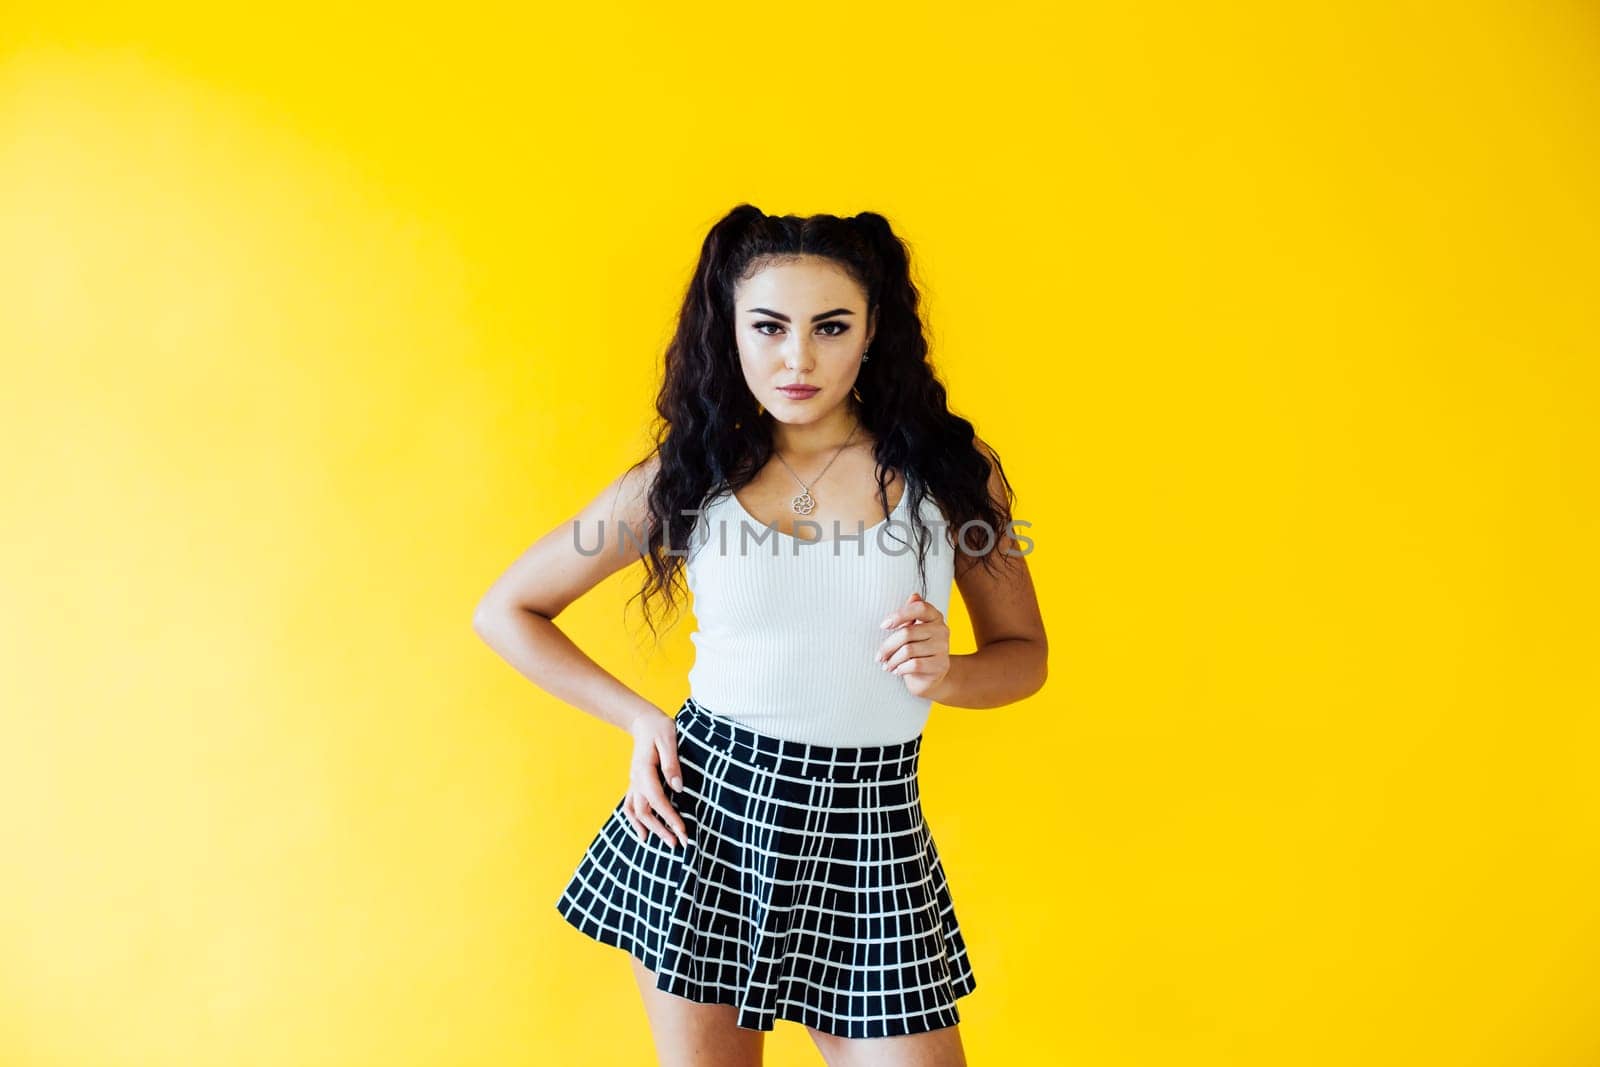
936,1048
695,1035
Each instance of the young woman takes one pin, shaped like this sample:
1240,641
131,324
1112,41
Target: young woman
770,859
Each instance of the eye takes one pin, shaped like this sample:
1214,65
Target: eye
829,329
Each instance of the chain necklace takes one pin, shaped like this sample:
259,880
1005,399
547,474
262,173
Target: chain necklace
805,503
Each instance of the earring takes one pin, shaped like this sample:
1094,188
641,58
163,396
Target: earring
760,408
857,394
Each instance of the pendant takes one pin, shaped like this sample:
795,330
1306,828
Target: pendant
803,504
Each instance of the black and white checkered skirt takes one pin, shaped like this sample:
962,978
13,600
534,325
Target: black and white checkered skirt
810,888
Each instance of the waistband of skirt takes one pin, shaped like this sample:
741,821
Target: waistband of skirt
801,758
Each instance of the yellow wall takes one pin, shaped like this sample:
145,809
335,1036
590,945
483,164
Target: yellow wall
1281,316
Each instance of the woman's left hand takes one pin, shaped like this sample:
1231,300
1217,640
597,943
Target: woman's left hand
919,648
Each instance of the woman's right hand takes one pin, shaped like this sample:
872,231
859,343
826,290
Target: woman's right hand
655,756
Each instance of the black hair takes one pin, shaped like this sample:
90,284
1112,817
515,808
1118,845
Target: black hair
710,436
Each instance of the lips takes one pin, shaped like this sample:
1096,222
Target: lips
799,391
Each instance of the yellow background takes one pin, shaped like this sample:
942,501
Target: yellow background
1282,318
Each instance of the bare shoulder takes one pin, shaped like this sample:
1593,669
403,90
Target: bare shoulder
999,492
603,537
1001,601
630,501
989,454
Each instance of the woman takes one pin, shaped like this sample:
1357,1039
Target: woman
769,859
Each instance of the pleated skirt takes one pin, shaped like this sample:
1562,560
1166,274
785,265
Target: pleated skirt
810,888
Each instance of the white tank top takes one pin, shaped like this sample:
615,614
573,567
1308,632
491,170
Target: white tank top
787,629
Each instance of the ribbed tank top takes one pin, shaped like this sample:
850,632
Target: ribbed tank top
787,629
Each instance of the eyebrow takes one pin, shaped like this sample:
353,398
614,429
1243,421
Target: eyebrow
814,318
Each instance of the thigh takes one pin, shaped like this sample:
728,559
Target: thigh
936,1048
688,1034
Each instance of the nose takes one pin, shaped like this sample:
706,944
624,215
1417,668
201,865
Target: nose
797,354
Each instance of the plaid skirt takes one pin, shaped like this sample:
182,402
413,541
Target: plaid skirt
810,888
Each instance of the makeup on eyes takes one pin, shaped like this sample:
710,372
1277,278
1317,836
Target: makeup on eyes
843,329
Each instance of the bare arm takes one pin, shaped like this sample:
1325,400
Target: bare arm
1011,661
516,617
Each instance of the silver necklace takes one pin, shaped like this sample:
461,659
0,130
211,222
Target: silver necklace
805,503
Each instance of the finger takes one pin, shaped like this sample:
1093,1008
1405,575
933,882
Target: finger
926,637
917,665
645,815
670,816
915,608
905,654
667,749
891,645
671,820
919,634
649,818
638,830
899,616
656,797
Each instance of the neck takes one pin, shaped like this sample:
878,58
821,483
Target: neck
813,438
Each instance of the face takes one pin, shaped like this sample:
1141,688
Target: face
801,322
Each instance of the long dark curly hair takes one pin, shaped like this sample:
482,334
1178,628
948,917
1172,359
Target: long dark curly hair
710,436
